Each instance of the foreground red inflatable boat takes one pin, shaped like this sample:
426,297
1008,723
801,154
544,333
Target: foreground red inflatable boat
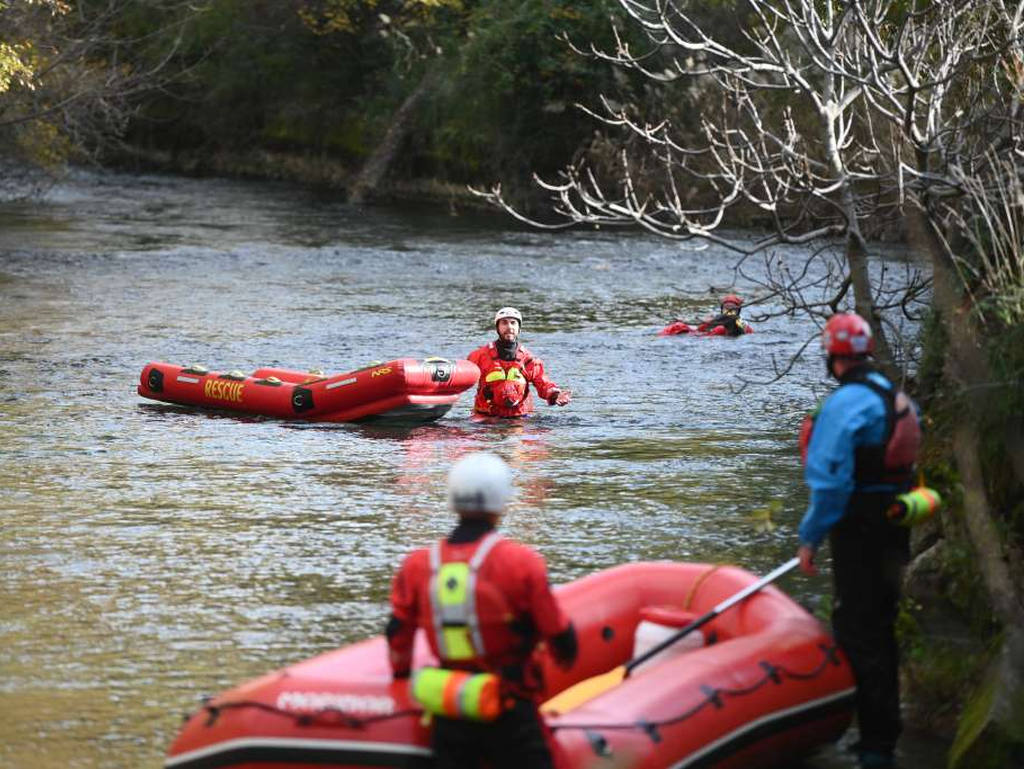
405,389
771,687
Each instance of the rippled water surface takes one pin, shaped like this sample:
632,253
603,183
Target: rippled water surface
151,555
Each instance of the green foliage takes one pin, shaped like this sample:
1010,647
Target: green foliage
990,734
14,68
327,76
57,91
1005,350
507,107
939,672
255,76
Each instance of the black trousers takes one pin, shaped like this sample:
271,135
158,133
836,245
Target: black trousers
868,555
514,741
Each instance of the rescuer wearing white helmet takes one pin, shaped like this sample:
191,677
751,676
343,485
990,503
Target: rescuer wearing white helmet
507,369
484,604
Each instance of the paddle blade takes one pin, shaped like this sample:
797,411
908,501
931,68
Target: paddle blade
584,691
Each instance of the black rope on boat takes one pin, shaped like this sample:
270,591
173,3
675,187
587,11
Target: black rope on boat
712,696
715,697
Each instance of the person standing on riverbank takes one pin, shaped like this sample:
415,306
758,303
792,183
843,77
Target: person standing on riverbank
484,603
860,453
507,369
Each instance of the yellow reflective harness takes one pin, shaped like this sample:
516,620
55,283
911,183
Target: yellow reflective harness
512,374
453,602
456,625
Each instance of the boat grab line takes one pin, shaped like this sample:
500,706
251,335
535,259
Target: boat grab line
778,714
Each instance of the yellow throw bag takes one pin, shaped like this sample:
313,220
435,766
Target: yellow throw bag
914,507
457,693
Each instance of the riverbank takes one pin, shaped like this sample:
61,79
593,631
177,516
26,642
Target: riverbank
318,171
328,172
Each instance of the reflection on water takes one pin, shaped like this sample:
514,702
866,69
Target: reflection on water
152,554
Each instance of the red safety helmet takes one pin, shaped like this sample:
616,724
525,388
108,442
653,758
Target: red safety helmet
847,335
731,299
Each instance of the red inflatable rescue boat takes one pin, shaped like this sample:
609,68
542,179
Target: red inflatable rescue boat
403,389
682,327
763,684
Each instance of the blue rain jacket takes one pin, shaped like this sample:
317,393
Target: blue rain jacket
852,416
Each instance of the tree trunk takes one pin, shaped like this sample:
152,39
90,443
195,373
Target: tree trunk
966,366
376,166
992,723
993,558
863,302
856,253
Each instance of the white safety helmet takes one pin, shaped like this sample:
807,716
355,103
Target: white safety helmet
508,312
479,483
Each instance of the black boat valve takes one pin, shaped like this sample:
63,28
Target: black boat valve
441,369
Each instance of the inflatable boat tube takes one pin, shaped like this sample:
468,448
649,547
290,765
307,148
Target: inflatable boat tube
764,685
681,327
403,389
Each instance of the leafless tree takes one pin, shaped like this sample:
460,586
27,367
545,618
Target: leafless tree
801,130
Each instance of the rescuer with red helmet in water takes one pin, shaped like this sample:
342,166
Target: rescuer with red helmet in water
727,323
507,369
860,452
484,603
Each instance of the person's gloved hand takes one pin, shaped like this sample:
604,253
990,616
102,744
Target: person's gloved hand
560,397
806,555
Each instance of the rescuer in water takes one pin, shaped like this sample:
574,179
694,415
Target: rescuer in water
728,319
727,323
484,603
860,451
507,369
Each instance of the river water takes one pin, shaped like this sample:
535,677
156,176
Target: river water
152,555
